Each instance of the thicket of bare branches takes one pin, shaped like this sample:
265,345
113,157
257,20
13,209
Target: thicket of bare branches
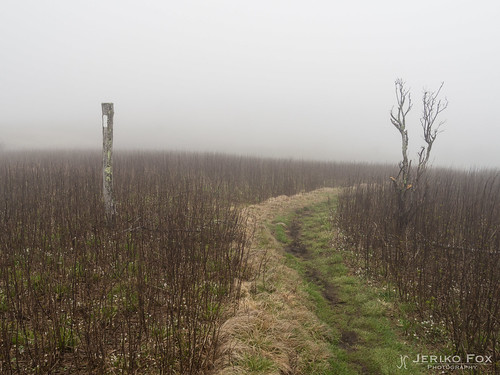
148,294
77,295
434,234
447,263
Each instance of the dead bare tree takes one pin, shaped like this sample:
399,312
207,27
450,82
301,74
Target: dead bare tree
407,182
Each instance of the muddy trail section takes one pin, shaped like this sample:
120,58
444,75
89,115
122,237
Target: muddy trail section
348,338
365,338
299,249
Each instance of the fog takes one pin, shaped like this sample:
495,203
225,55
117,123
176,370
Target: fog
301,79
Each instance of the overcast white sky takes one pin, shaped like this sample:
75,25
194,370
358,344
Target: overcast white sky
304,79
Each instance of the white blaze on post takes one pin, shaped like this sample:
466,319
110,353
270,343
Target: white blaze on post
107,159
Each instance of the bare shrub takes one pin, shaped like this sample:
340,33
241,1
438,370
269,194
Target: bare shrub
148,294
449,259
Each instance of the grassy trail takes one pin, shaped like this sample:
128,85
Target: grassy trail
307,313
365,338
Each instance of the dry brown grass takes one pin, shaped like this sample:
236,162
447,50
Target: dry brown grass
274,330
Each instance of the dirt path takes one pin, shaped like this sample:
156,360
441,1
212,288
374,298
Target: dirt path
273,328
301,312
299,249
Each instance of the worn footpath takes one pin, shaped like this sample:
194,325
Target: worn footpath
302,310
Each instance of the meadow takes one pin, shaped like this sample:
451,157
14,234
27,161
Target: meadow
149,292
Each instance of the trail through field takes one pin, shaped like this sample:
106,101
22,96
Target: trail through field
303,309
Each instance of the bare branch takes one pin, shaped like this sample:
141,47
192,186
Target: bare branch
404,105
432,108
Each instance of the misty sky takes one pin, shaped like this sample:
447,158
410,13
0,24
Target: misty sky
304,79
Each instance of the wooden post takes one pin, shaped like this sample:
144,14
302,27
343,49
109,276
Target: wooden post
107,159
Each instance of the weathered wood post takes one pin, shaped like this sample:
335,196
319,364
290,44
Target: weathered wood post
107,159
